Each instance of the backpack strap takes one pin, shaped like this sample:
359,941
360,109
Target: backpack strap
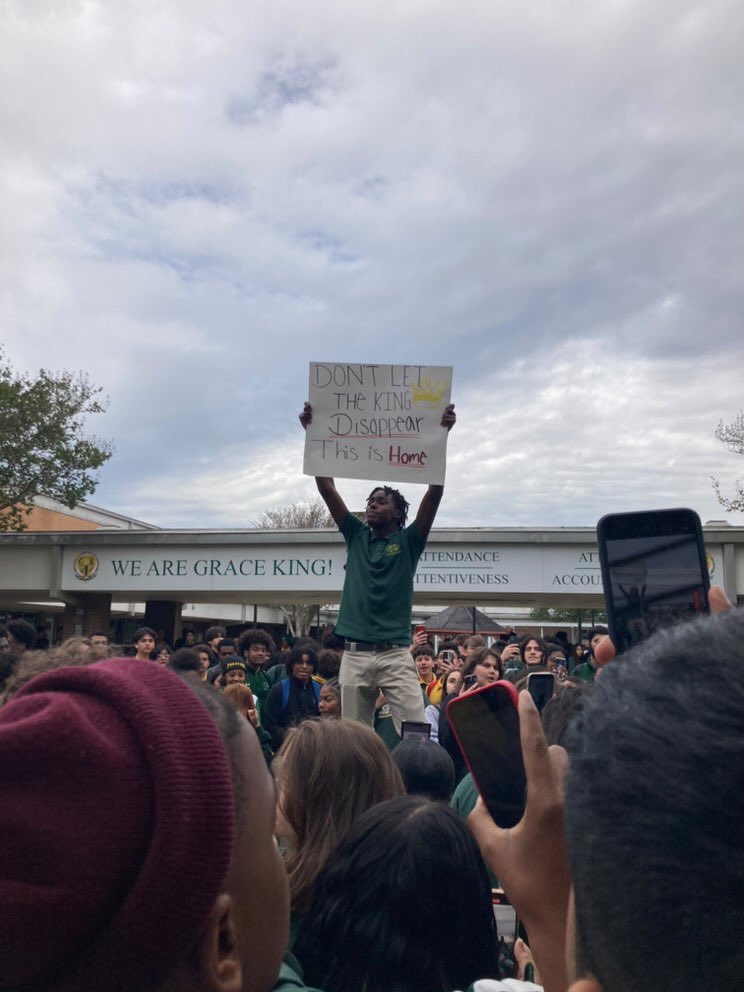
285,692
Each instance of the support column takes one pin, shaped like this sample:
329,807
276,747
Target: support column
728,579
92,611
165,615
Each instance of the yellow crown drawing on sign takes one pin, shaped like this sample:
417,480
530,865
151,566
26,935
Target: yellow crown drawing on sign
429,392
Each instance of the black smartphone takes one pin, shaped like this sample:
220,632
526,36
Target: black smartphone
541,686
654,572
486,727
412,728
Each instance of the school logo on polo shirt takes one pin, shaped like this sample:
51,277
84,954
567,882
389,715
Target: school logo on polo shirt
85,566
392,549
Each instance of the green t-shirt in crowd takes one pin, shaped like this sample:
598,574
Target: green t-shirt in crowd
378,589
258,683
464,797
585,672
463,802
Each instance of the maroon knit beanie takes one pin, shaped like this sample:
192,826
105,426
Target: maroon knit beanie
116,826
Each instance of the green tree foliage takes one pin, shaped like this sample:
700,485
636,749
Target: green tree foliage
732,436
43,448
298,516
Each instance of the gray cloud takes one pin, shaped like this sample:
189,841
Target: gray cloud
198,204
580,431
285,83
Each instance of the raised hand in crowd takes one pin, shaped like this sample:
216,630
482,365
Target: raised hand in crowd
632,793
420,636
529,859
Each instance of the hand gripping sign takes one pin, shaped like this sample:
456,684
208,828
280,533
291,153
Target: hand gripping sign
378,421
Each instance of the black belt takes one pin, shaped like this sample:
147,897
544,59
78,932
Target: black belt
376,646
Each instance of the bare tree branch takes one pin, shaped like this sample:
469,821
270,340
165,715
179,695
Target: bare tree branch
732,436
307,515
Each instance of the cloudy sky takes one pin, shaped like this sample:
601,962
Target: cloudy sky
200,199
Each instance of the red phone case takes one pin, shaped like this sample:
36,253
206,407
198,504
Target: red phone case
510,690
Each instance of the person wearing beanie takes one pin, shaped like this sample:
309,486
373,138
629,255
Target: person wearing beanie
125,863
234,671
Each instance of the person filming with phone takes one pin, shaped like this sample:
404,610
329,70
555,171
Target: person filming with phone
602,881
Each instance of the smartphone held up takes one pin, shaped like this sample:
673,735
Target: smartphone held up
654,572
541,686
485,723
414,728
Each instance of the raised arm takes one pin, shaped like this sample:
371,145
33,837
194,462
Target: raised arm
530,859
326,487
427,511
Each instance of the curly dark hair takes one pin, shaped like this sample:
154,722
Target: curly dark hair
399,501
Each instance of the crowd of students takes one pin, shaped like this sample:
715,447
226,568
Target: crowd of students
299,679
207,819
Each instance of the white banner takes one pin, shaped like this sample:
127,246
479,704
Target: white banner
378,422
479,571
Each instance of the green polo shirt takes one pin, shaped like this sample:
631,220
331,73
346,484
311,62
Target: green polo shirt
378,589
585,672
258,683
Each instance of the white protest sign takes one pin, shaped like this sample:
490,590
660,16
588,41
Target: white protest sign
378,421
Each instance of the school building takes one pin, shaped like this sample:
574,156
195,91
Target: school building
88,568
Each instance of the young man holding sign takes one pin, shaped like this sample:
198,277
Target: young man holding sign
375,612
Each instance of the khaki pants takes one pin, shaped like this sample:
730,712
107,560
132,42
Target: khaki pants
364,673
